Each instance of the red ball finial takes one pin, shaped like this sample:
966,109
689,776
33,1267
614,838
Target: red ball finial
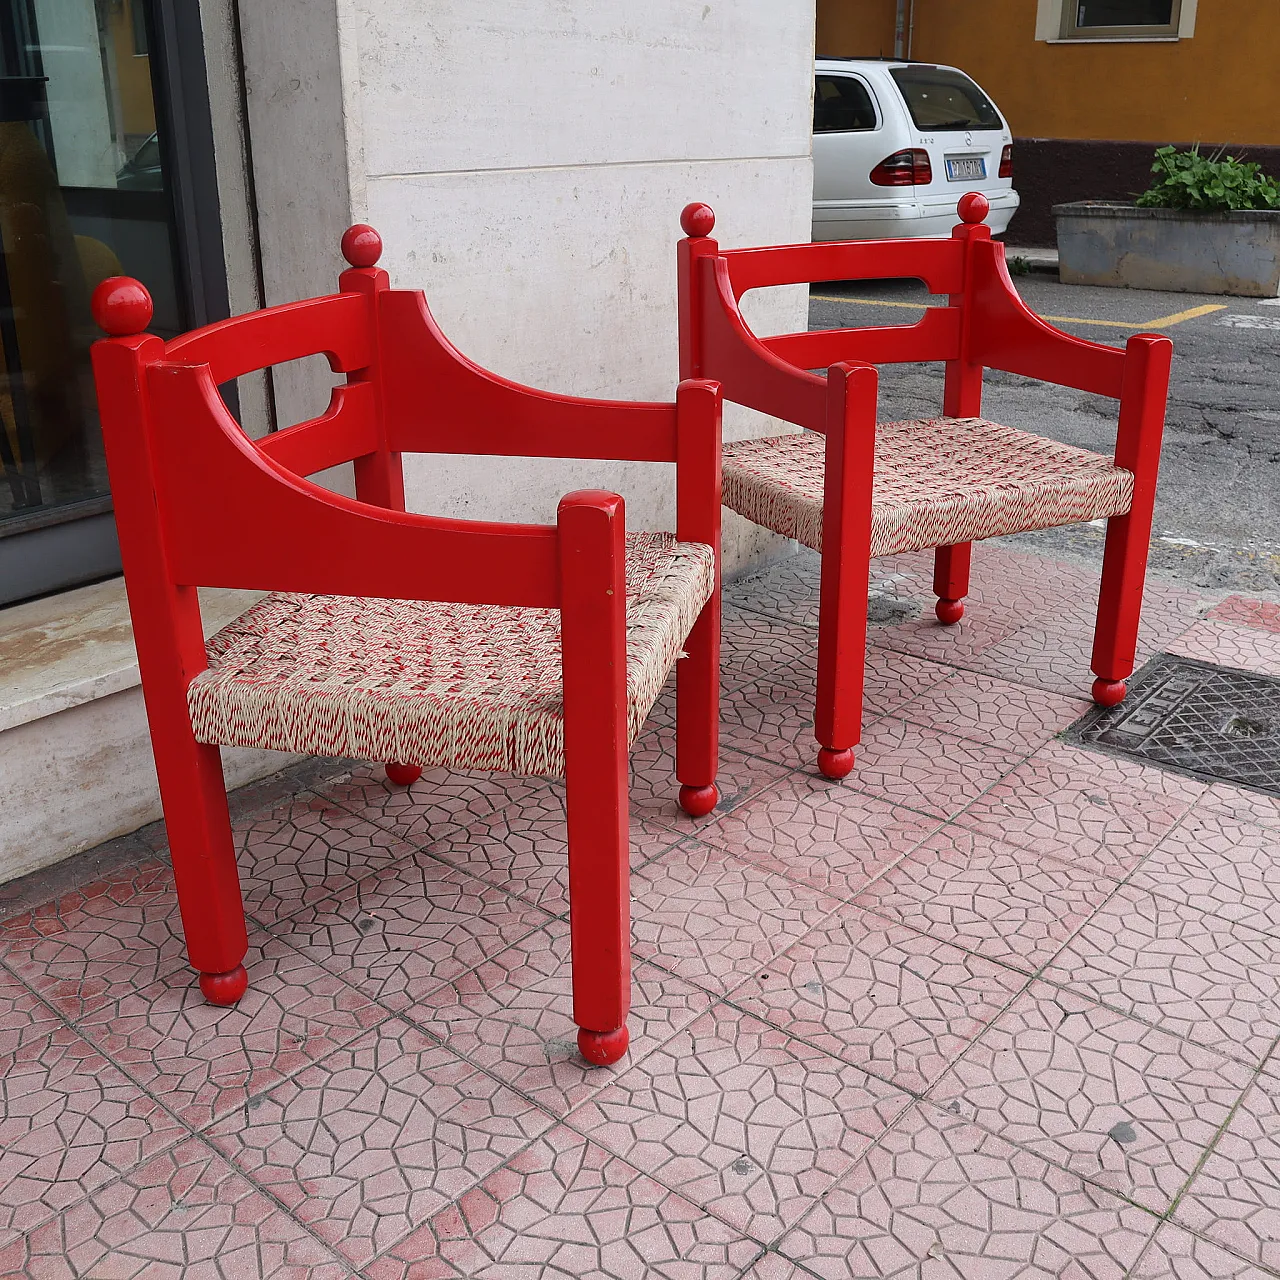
698,219
974,207
121,306
361,245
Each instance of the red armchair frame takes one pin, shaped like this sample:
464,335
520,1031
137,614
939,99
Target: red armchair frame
198,503
985,324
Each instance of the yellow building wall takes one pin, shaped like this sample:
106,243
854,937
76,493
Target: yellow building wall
1222,85
133,71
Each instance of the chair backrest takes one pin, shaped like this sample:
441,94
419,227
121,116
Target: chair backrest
984,324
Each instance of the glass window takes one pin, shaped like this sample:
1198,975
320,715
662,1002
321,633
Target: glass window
842,104
1120,17
941,99
83,196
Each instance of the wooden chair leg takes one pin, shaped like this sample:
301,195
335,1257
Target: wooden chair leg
194,796
951,581
1115,641
698,714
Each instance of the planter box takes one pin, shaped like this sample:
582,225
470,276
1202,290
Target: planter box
1119,244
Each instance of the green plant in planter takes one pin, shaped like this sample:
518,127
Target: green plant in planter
1210,184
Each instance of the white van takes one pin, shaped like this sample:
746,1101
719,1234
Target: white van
896,144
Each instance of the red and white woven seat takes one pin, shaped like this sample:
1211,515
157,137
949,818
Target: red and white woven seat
425,683
938,482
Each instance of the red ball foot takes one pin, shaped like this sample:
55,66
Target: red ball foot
835,764
949,611
224,988
1108,693
403,775
697,802
603,1048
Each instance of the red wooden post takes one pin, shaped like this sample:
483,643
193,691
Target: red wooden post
697,221
698,673
593,636
846,559
1124,563
170,645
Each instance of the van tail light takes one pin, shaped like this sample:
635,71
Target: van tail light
1006,161
904,169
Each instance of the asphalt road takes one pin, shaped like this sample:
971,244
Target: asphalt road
1218,504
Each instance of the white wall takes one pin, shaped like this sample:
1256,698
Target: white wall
526,165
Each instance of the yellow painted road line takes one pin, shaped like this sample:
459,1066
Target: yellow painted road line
1164,322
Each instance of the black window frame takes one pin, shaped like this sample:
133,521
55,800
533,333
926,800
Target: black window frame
872,101
1073,29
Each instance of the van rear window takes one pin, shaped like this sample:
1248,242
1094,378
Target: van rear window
942,99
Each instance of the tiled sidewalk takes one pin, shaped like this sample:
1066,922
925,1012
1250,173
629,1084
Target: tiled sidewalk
995,1007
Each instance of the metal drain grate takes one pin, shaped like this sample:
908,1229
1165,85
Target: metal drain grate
1212,722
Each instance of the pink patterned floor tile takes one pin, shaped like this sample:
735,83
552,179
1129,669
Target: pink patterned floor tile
880,996
184,1215
892,679
1119,773
1235,1198
1221,866
1072,805
770,720
1175,1254
714,919
1196,975
982,628
1249,648
773,1266
514,1017
1050,654
96,943
524,849
746,1121
824,834
204,1060
440,802
409,928
1117,1102
566,1207
367,1144
758,648
994,712
1242,805
70,1121
1243,612
307,850
935,773
1001,902
941,1198
787,590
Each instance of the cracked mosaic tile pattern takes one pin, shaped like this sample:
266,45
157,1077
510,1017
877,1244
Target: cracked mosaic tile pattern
408,928
95,943
880,996
1235,1198
748,1122
1120,772
787,590
713,919
983,626
770,720
524,849
184,1215
204,1060
936,773
993,712
773,1266
514,1017
368,1143
566,1207
69,1120
1113,1100
892,679
1221,866
942,1200
1175,1254
1242,805
823,834
306,851
1003,903
755,648
1196,975
1070,807
1244,612
1248,648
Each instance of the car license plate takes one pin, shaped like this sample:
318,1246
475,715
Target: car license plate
962,169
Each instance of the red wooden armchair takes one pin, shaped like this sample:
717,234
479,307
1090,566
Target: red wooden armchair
942,483
398,637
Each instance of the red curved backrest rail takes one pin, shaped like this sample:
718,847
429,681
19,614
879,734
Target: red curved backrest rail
939,263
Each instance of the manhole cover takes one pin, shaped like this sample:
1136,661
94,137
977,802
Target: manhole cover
1211,722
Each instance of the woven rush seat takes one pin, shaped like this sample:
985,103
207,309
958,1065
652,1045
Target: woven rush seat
466,686
938,482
